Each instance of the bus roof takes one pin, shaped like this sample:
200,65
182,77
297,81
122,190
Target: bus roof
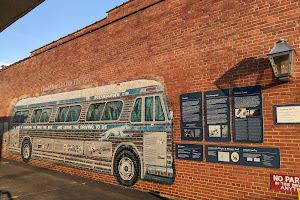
101,92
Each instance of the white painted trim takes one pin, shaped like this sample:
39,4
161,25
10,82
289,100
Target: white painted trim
101,90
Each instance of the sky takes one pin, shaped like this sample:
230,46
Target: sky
51,20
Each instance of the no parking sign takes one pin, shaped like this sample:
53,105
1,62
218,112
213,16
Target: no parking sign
285,183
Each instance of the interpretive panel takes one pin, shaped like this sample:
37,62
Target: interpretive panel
247,114
189,152
247,156
285,183
287,114
155,145
223,154
217,115
191,116
261,157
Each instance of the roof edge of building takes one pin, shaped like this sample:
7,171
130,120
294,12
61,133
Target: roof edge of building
120,12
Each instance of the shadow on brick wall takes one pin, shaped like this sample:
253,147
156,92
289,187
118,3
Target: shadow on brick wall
1,136
1,142
3,129
258,71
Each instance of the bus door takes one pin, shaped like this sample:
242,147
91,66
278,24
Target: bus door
155,136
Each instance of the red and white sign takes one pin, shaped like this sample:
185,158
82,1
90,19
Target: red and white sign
285,183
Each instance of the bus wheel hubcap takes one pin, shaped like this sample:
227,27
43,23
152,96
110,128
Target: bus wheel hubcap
26,151
126,169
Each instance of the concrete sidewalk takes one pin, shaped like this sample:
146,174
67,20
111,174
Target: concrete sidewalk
22,181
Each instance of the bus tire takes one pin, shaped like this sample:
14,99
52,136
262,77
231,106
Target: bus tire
26,150
126,168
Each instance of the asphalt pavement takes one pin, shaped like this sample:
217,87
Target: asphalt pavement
22,181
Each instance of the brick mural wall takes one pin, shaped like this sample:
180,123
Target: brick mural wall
188,46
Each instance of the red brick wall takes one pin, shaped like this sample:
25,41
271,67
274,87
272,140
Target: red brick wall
189,46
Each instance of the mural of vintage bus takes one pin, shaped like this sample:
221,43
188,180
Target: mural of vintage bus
124,130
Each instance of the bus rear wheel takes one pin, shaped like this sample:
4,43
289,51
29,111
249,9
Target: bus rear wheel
26,150
126,168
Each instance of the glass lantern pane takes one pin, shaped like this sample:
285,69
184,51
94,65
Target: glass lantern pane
282,64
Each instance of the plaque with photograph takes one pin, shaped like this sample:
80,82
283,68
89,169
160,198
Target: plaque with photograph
191,116
247,114
217,115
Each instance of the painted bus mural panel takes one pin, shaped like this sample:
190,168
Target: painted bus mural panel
124,130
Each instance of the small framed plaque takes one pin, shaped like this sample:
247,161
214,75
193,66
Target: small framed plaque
286,114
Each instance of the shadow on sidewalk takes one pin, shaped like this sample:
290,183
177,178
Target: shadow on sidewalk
5,195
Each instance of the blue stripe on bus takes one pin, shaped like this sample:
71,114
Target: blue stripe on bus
91,127
169,167
104,96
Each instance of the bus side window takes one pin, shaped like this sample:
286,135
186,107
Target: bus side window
73,114
61,114
17,117
35,118
112,110
24,116
159,113
136,114
21,116
45,116
94,112
148,109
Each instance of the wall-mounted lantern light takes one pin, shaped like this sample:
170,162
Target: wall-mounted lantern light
283,60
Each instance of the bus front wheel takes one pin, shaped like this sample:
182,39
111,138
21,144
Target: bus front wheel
126,168
26,150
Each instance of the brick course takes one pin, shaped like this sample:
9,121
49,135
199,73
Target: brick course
189,46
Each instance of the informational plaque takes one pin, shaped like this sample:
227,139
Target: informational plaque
247,114
287,114
223,154
191,116
155,148
247,156
217,115
189,152
261,157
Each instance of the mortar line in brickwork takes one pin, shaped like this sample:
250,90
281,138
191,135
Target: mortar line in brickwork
95,29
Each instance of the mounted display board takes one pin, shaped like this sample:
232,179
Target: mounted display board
223,154
247,114
191,116
217,115
286,114
189,152
247,156
285,183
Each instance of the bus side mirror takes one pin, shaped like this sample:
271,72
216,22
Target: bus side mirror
171,114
